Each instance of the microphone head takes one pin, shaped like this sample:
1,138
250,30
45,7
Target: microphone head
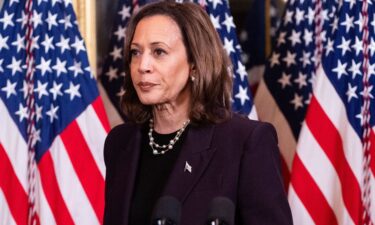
167,207
222,209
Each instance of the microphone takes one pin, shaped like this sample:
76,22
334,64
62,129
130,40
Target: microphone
221,212
167,211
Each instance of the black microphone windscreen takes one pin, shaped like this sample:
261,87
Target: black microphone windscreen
167,207
222,209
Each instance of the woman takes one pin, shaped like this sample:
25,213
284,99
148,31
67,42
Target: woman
183,140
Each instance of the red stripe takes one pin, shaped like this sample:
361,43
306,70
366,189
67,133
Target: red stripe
52,190
85,167
310,195
15,195
286,174
372,150
330,141
100,111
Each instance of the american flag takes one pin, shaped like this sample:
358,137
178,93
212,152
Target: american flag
52,121
113,75
318,92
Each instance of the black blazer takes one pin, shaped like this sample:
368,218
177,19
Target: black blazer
238,159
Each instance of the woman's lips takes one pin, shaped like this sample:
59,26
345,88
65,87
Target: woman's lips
146,86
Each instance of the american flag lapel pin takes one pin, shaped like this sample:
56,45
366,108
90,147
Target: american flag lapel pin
188,167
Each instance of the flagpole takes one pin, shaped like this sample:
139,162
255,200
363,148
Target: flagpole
86,17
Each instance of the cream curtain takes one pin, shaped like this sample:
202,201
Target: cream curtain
86,16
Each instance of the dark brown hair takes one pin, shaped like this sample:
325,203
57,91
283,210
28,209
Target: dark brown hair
212,87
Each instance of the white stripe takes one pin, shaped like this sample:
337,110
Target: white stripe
372,208
335,110
42,206
269,111
323,173
6,217
299,212
14,144
71,189
94,134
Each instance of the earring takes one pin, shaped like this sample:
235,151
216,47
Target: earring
192,78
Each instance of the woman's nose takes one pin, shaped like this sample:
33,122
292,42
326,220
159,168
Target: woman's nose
145,64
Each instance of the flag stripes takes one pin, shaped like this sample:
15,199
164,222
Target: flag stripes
52,191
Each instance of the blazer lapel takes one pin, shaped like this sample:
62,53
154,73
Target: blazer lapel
194,157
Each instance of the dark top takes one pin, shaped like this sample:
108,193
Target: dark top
152,174
238,159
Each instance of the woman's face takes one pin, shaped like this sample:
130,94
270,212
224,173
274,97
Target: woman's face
159,66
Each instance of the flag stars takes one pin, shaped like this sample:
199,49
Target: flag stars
215,3
41,89
7,20
228,45
307,37
36,19
335,24
242,94
10,88
48,43
344,46
112,73
116,53
125,12
355,69
340,69
3,42
1,65
329,47
281,38
44,66
228,22
351,92
310,15
56,90
351,2
285,80
372,47
306,58
52,113
274,60
19,43
120,33
290,58
299,16
34,43
15,66
348,23
76,68
22,19
63,44
295,38
358,46
78,45
38,112
297,101
60,67
22,112
301,80
241,70
288,17
366,93
66,22
215,21
73,91
35,136
51,20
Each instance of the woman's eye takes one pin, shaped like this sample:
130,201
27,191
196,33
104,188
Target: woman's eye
134,52
159,52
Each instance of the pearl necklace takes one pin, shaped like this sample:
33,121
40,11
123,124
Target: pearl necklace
164,148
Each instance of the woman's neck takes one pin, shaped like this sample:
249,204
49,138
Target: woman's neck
168,118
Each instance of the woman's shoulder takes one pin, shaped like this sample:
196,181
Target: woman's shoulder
123,130
242,122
